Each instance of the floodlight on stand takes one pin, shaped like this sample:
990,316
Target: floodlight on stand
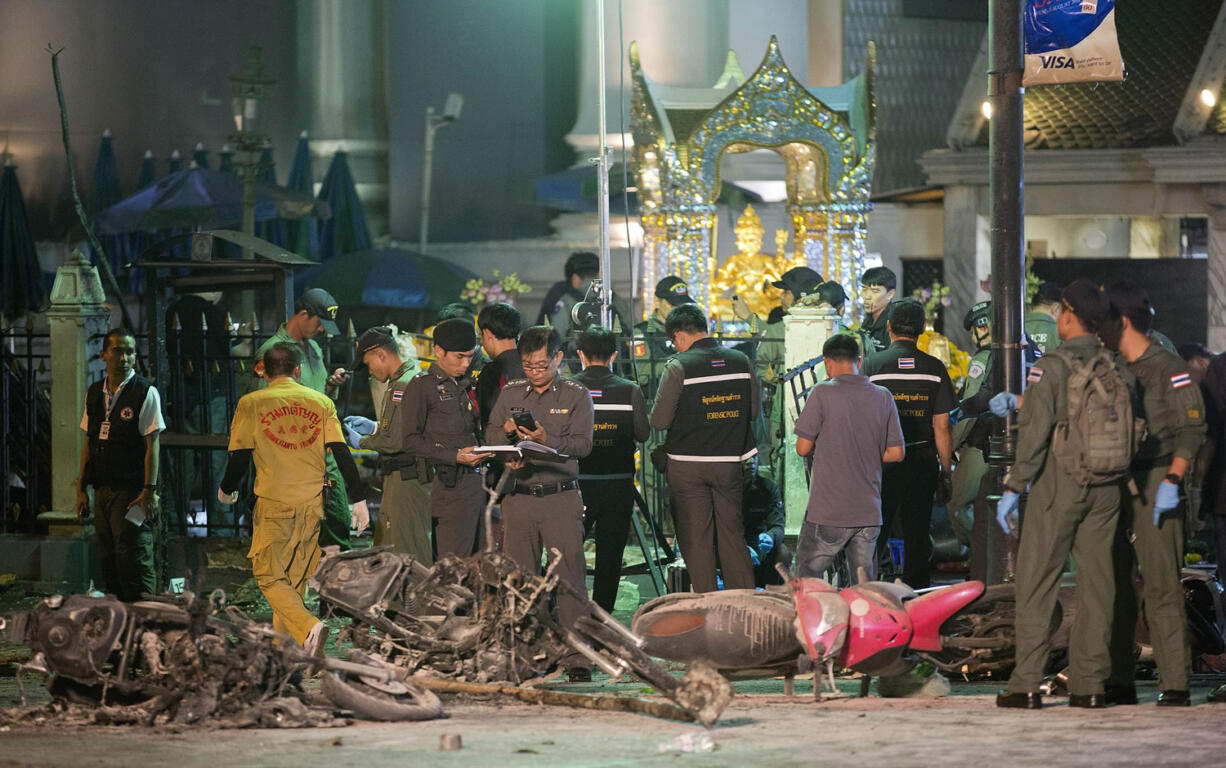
434,121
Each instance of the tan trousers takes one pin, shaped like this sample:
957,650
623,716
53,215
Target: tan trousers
284,554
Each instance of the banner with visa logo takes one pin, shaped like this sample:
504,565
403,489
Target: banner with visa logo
1071,41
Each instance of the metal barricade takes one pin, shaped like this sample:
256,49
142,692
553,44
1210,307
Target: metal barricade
25,427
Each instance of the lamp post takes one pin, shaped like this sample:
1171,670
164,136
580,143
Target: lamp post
451,112
248,91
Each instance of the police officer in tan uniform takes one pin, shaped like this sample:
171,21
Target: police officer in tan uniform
439,414
1174,412
404,511
543,508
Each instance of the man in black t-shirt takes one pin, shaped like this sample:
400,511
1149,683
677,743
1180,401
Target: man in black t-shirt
924,397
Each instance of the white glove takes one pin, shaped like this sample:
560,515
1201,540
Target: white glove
226,498
361,517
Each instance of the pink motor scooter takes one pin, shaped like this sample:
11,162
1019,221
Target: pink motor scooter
873,627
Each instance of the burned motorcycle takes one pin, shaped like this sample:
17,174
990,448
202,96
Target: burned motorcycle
482,619
872,627
194,660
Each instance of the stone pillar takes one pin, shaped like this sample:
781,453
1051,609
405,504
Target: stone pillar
1215,334
77,319
966,257
805,330
342,71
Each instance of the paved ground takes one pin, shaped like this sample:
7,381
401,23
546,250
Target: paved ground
761,727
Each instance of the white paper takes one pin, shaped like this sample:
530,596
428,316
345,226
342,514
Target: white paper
136,515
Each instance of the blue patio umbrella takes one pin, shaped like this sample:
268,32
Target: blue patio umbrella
387,278
225,161
201,198
301,236
346,231
175,163
106,194
200,156
21,288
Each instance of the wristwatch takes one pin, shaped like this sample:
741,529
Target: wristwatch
1173,478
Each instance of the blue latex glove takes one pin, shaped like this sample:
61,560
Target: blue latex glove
1165,500
1002,404
753,556
1006,510
352,436
766,543
360,424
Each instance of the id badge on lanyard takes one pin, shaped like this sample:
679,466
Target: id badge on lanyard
104,429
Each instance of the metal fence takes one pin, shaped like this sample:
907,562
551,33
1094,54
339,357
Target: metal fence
25,428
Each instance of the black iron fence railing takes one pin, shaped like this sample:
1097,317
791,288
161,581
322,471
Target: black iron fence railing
25,428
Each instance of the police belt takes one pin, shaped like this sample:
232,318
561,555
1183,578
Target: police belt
544,489
389,464
1152,462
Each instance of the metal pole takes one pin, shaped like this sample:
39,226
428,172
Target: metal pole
249,171
602,175
426,174
1006,180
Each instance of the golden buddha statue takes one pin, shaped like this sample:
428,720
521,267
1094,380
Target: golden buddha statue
748,273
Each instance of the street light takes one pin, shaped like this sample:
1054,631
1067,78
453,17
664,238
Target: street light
248,92
451,112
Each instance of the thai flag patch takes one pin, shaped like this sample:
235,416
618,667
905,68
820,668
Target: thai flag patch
1180,380
717,363
1035,375
906,363
596,393
397,395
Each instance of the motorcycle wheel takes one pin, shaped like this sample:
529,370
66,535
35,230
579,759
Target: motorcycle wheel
354,694
979,639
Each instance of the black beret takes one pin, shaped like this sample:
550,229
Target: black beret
455,335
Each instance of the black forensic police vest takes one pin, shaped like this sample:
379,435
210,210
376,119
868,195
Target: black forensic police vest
915,380
712,422
613,426
120,459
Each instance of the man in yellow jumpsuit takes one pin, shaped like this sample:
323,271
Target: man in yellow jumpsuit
286,428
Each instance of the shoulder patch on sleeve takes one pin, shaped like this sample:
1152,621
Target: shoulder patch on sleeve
975,371
1035,375
1181,380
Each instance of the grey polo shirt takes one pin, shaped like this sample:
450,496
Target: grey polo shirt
851,422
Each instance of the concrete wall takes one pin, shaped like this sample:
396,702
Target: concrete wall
155,73
515,65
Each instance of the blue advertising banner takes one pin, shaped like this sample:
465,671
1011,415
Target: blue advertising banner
1071,41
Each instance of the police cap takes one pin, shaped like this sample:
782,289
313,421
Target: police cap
674,290
801,281
319,303
371,338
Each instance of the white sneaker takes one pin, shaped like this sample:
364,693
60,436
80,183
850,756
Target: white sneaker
316,639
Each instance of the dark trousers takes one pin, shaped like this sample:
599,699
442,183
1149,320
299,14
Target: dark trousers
534,526
337,518
457,511
907,489
610,503
125,551
707,511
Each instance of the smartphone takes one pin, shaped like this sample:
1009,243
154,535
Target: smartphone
525,419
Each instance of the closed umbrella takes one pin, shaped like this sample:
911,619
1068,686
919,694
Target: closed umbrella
301,236
346,231
225,161
21,288
272,230
106,194
148,174
175,163
200,156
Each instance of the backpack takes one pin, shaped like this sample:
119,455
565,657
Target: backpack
1095,442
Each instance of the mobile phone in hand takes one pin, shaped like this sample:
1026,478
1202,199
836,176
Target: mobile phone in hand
525,419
